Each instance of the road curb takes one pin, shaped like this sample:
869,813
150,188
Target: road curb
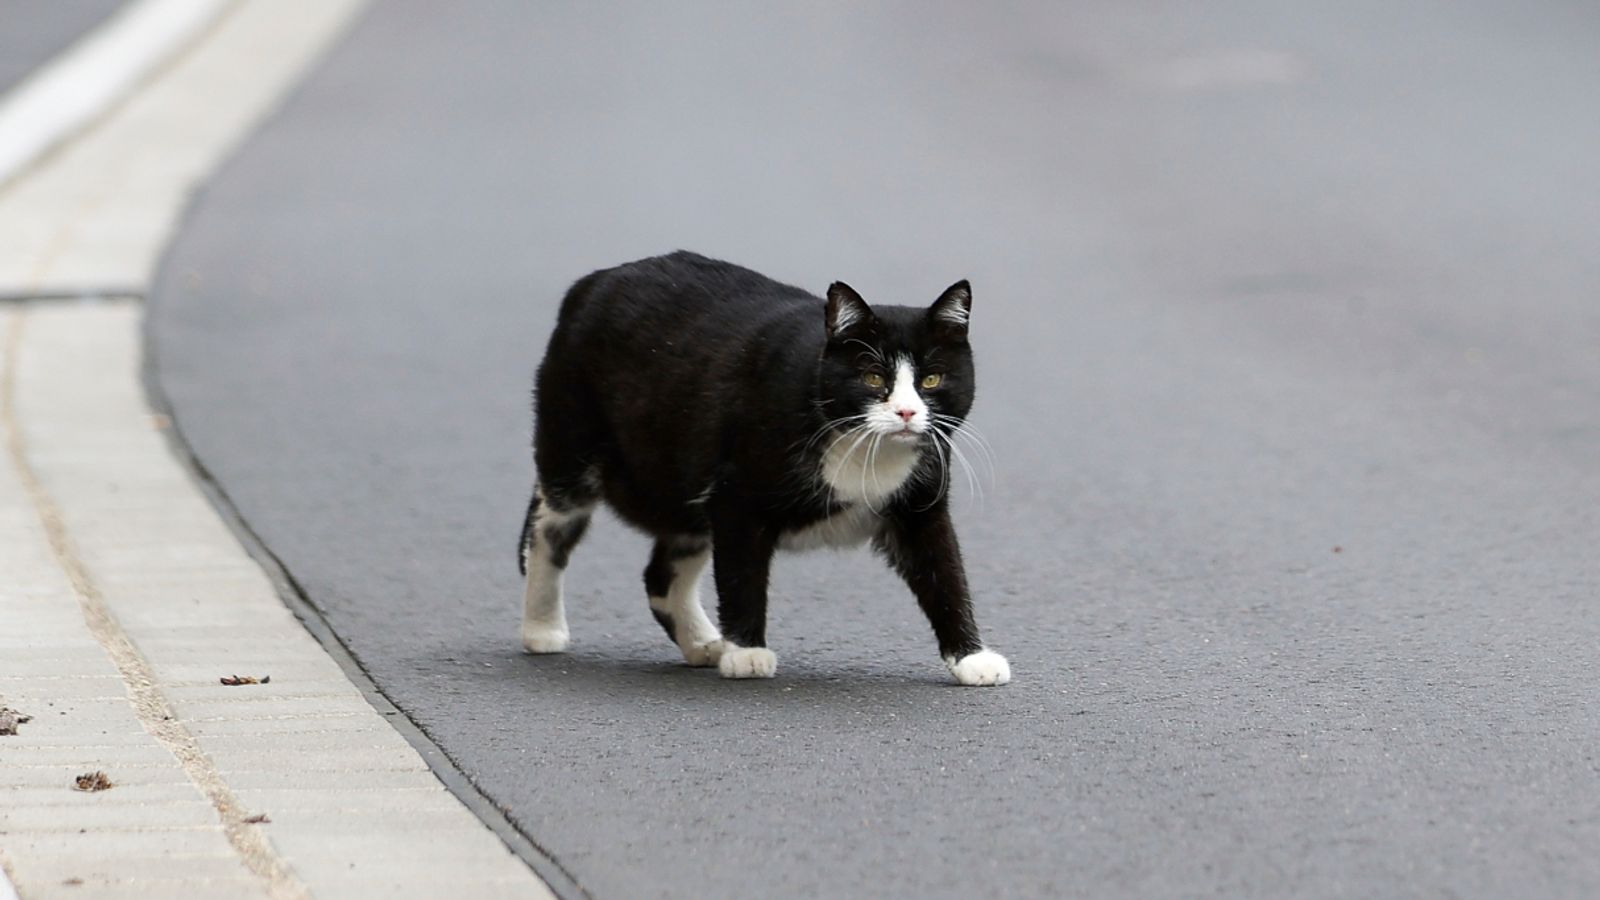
129,604
72,91
555,876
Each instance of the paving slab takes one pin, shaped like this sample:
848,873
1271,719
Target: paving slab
128,597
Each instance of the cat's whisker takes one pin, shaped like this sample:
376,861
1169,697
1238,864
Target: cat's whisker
828,427
983,453
859,432
950,460
942,468
845,435
873,352
973,485
971,431
872,463
963,429
934,472
864,432
870,455
967,470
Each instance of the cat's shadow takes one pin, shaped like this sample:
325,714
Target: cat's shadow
641,676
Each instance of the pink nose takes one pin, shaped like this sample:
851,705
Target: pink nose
906,415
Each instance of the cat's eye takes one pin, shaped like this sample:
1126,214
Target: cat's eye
932,381
872,379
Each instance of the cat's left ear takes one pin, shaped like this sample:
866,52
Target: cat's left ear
950,313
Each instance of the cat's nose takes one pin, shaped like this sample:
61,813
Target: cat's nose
906,415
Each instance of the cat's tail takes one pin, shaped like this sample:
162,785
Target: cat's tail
527,534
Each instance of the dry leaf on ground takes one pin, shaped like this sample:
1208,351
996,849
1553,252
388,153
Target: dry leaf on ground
94,781
10,719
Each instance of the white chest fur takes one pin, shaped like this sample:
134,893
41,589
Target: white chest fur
865,478
867,472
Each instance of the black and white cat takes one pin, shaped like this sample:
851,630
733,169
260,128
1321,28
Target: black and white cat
728,415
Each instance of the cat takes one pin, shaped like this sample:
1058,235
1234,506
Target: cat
729,416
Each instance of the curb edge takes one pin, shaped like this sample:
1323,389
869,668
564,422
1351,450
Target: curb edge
563,883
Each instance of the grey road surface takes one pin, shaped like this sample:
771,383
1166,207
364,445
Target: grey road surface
32,32
1288,329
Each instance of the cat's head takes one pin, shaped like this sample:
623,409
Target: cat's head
899,372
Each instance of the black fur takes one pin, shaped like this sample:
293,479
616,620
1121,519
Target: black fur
689,394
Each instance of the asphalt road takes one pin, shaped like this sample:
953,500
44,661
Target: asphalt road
32,32
1287,326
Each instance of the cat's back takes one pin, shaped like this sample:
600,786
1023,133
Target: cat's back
656,366
681,300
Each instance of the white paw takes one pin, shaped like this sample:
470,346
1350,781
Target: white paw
544,638
708,653
747,662
983,667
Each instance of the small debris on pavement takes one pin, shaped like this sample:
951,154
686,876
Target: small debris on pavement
10,719
94,781
1338,549
258,819
73,882
236,680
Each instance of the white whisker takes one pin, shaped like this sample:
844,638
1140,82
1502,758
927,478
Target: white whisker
829,426
980,444
872,465
943,467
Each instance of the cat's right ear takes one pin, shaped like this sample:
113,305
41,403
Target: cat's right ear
847,312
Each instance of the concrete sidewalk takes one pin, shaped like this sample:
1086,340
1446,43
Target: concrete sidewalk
127,600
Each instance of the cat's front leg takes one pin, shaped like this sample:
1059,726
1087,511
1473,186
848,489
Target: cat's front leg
741,554
921,545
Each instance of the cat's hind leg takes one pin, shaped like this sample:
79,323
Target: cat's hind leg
672,581
566,434
557,518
